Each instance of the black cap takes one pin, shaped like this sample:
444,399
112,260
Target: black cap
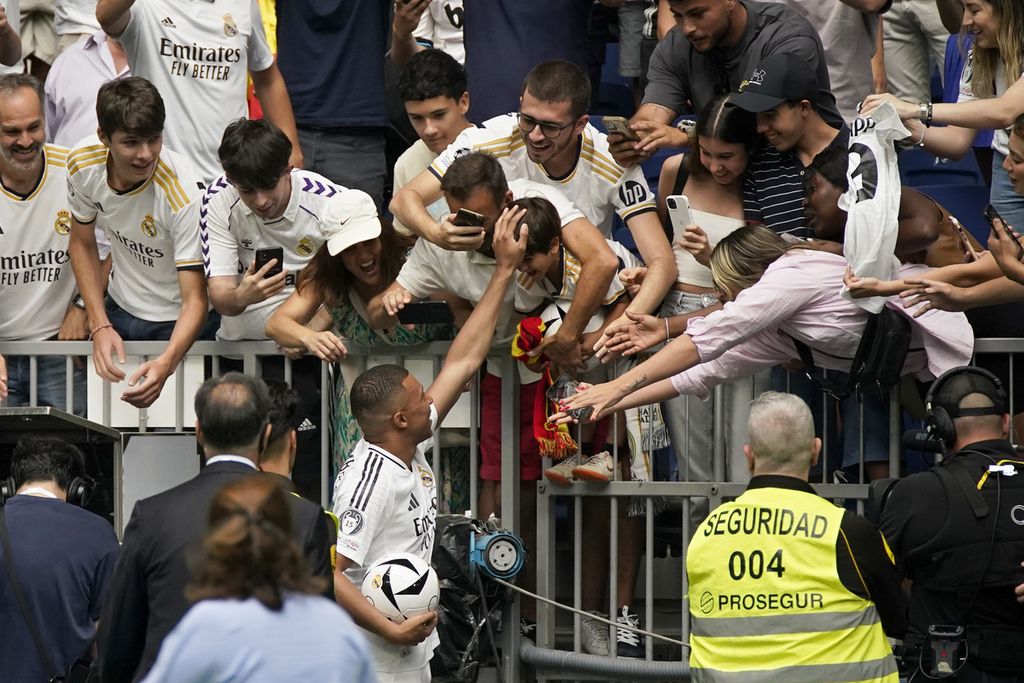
957,384
777,79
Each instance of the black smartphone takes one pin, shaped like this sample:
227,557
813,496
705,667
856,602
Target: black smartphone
468,218
426,313
265,255
991,214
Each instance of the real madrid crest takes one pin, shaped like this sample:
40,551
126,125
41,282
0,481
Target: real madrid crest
62,226
305,247
425,477
230,28
148,226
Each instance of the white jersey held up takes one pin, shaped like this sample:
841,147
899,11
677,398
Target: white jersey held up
36,280
597,185
198,53
384,506
153,228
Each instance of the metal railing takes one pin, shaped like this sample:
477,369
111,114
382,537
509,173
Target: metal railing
554,553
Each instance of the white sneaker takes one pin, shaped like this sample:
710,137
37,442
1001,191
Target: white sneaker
594,635
561,474
598,467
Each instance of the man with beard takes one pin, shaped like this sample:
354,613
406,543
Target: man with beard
140,194
36,283
711,50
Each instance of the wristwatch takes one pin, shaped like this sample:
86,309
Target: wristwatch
79,301
688,126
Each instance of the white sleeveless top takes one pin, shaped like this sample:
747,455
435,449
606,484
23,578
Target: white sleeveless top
716,227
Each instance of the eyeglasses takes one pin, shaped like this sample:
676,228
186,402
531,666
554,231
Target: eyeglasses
549,130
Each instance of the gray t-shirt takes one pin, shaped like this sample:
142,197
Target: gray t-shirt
679,74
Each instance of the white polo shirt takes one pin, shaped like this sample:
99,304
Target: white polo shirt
231,233
597,185
198,53
36,280
384,506
153,228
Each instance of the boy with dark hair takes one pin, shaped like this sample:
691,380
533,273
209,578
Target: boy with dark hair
433,87
63,557
125,182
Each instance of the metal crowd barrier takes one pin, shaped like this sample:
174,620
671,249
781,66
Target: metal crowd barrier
555,553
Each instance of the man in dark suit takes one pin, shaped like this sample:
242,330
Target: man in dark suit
146,596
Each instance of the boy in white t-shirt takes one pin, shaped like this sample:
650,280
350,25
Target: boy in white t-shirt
386,493
142,196
433,87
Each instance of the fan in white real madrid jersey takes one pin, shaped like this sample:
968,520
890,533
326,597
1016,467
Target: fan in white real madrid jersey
142,196
199,53
551,142
386,496
262,202
36,282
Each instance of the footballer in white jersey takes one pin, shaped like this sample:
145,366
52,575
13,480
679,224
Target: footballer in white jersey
153,228
198,53
384,507
440,27
231,233
36,280
386,498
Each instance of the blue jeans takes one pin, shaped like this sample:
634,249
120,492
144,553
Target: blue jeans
1008,203
51,383
136,329
347,157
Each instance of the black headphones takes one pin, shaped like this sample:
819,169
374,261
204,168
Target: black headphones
80,490
939,423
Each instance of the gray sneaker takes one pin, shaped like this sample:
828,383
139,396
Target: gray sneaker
594,635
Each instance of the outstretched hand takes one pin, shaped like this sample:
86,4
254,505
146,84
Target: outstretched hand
601,398
927,295
639,333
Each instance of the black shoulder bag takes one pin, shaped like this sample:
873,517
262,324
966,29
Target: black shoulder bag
80,670
878,362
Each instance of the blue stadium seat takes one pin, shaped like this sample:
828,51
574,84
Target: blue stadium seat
615,96
920,167
966,202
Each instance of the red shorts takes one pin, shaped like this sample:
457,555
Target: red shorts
490,431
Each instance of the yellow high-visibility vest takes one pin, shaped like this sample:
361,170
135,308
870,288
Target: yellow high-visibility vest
766,600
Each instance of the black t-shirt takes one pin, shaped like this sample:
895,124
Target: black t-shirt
680,76
64,556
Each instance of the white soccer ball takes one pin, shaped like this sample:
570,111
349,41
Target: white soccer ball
552,317
401,585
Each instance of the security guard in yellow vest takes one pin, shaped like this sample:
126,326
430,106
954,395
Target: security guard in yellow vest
784,585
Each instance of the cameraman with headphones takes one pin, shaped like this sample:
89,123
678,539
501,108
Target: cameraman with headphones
957,531
55,561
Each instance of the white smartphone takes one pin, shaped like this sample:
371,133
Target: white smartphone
679,213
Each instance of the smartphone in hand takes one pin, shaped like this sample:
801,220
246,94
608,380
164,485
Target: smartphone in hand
426,313
620,126
467,218
265,255
991,215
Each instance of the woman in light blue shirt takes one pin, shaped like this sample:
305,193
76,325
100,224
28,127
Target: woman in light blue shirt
258,616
